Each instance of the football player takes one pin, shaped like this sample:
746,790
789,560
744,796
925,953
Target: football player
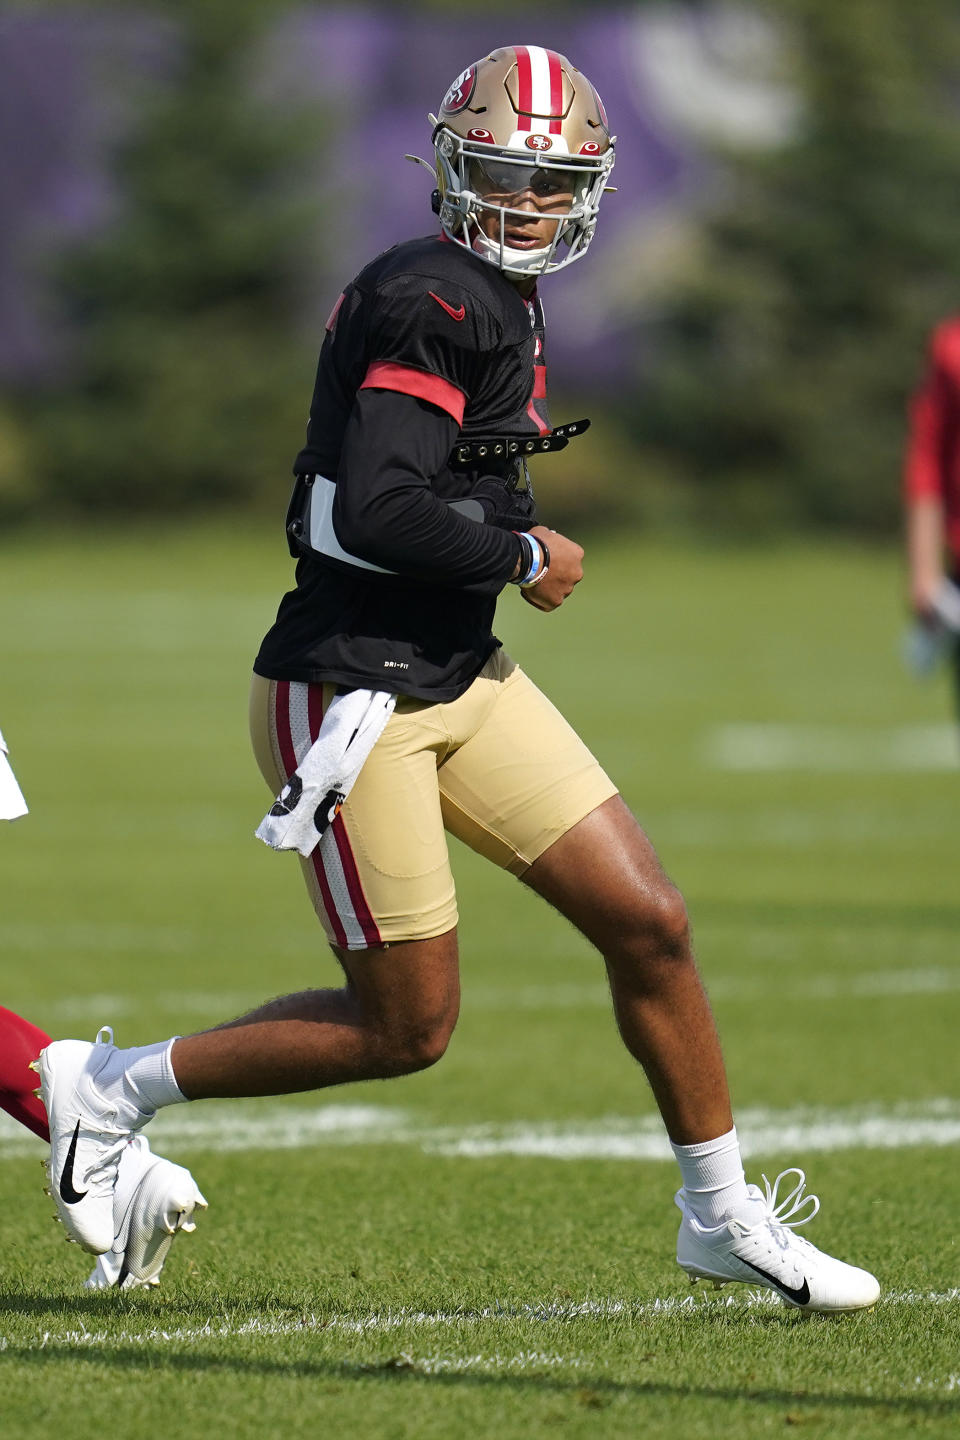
411,513
932,497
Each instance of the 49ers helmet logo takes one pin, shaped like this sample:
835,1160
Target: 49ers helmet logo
538,142
460,92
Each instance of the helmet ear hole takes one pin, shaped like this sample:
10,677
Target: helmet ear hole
435,201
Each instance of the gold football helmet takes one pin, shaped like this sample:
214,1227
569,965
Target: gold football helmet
521,130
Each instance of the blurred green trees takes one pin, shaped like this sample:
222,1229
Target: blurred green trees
774,378
783,364
187,388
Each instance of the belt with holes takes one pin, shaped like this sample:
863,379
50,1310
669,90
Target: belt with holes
486,447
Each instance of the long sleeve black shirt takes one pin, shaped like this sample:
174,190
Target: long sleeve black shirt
426,345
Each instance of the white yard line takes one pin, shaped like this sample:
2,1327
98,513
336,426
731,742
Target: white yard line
267,1125
496,1364
380,1321
762,1132
832,748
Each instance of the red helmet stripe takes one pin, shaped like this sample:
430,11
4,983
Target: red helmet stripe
524,87
556,93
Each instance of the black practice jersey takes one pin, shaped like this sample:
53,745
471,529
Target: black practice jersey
428,345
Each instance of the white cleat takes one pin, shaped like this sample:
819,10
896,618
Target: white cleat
758,1247
153,1200
87,1138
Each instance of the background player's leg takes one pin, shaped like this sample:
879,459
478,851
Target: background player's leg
394,1015
20,1044
604,876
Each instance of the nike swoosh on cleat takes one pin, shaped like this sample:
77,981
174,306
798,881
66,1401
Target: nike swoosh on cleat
68,1194
454,314
799,1297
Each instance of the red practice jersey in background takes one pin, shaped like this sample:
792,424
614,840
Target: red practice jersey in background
932,467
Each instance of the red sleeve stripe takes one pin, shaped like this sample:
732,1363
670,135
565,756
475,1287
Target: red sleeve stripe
383,375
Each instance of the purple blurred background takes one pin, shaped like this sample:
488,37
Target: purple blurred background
667,76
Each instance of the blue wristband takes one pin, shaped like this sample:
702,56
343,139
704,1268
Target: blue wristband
534,561
536,564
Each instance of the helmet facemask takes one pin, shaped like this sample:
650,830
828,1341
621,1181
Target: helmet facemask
478,180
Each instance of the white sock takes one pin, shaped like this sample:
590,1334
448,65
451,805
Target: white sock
713,1182
141,1080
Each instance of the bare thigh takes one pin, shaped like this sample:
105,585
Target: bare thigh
411,986
606,878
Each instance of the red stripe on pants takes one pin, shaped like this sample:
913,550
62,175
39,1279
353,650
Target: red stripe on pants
352,876
350,872
288,756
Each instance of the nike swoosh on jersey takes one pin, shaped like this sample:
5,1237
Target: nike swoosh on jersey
454,314
68,1194
799,1297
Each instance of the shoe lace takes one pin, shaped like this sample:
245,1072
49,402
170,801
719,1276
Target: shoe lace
107,1164
793,1203
782,1217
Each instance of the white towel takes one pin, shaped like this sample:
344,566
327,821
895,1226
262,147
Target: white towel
12,803
312,797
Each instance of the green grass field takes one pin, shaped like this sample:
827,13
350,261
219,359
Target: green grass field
487,1248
